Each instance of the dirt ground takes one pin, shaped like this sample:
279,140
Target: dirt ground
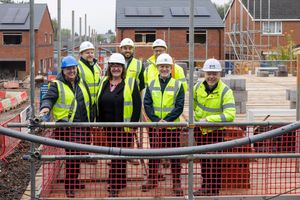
14,171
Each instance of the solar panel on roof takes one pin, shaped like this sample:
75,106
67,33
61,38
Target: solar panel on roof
201,12
143,11
184,12
9,16
15,16
21,16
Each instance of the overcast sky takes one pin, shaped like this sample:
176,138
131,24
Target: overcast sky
100,13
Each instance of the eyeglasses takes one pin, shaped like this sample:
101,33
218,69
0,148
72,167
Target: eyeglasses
115,65
159,50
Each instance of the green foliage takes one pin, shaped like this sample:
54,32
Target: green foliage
222,9
284,52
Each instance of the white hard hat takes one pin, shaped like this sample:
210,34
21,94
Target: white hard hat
116,58
127,42
86,45
164,59
159,43
212,65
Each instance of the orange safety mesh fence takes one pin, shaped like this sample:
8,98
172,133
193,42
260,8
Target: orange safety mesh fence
169,177
7,144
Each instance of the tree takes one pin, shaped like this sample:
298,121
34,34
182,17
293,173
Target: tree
285,52
55,27
222,9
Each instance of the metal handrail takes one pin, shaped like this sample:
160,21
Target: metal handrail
152,152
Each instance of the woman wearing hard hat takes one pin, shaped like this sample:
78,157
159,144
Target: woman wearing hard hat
118,100
69,100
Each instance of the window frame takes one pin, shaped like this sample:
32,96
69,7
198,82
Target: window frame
16,34
197,33
277,27
144,34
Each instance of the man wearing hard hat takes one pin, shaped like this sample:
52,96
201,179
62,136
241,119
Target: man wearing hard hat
213,102
89,71
151,72
164,102
134,67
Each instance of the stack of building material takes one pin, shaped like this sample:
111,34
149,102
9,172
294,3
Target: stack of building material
238,85
282,71
260,73
291,95
11,85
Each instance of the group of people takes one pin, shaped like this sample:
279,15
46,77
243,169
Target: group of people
80,94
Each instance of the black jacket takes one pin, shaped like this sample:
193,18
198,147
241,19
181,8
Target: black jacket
174,114
52,95
111,104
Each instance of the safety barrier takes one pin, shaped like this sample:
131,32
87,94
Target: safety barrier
97,178
11,99
7,144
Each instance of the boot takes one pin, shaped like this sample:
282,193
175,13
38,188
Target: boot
177,186
151,184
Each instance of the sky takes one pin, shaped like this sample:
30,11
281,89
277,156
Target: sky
100,13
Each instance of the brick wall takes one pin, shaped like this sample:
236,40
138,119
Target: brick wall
261,41
22,51
177,43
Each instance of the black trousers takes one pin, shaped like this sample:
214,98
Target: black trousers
164,138
211,169
72,170
116,137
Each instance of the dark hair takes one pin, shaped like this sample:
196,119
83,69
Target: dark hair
109,75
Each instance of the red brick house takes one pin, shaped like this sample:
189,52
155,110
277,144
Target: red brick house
255,28
144,21
15,40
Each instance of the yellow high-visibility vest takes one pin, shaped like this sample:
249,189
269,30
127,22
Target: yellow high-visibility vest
164,103
134,69
92,80
127,94
151,73
218,106
61,109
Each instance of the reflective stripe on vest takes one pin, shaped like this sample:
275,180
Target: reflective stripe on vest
134,70
91,79
61,108
164,103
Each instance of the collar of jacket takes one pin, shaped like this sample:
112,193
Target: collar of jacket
214,89
61,77
129,61
87,63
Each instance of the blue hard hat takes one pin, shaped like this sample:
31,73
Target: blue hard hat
68,61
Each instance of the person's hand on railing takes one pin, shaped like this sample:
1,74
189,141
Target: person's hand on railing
44,111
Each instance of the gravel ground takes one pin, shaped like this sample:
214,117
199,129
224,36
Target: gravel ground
15,173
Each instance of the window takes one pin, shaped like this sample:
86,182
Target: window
12,38
46,38
50,38
145,36
199,37
272,27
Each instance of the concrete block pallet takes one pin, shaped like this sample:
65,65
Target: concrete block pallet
238,85
291,95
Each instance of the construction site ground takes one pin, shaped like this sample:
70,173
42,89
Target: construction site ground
263,93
